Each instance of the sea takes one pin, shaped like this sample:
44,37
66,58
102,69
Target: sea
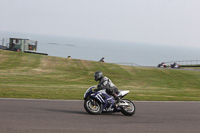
119,52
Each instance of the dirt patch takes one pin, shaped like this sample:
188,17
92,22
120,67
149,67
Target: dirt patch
86,64
40,70
46,65
129,69
3,58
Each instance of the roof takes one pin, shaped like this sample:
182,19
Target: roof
19,38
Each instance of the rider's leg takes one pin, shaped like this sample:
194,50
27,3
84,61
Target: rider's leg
113,92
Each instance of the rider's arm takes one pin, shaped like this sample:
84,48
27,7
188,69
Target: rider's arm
99,87
102,85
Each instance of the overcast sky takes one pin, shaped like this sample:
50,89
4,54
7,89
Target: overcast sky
164,22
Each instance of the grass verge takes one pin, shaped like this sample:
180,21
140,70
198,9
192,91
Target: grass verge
24,75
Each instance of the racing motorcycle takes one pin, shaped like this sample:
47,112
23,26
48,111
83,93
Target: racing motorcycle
100,102
175,65
162,65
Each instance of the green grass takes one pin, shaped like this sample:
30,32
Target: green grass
24,75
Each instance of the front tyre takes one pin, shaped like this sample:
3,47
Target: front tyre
128,110
92,106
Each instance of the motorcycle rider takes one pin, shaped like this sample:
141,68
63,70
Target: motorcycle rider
106,83
102,60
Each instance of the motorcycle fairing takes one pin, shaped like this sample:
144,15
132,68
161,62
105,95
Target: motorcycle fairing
88,92
123,93
107,101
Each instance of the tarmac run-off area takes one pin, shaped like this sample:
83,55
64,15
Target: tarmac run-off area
69,116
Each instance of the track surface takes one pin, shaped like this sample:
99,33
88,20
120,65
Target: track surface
63,116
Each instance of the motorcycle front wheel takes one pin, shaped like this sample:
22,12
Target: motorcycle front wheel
92,106
128,110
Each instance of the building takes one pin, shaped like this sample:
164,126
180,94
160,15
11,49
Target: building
19,44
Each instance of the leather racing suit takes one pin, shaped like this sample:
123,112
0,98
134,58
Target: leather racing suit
111,89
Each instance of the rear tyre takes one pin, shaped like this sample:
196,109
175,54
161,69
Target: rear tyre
128,110
92,106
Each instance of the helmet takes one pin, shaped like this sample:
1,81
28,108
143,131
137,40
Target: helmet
98,75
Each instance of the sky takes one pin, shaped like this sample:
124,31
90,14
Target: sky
163,22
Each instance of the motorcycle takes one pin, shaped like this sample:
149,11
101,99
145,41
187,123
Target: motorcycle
100,102
175,65
162,65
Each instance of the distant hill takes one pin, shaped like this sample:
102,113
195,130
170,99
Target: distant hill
24,75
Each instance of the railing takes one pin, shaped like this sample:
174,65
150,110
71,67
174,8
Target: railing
185,62
127,63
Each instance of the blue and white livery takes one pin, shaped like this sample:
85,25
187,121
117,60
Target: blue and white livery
100,102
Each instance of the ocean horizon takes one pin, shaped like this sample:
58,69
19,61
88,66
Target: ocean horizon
119,52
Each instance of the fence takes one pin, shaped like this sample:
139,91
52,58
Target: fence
185,62
127,63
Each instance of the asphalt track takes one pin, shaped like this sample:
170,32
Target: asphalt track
65,116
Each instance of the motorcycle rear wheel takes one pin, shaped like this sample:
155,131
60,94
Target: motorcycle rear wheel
92,106
128,110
